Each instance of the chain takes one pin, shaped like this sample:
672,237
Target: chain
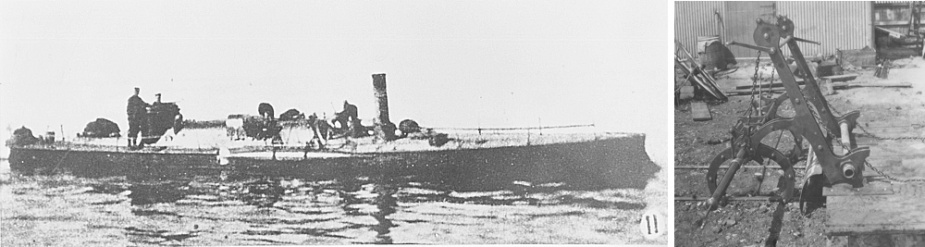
871,166
744,129
867,133
901,138
891,178
754,84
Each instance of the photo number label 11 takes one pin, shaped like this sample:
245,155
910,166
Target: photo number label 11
652,224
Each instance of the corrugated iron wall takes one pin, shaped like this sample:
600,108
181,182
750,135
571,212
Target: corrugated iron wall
837,25
741,17
693,19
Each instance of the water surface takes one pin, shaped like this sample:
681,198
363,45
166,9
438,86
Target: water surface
228,209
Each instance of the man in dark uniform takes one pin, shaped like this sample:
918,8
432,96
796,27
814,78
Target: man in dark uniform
137,109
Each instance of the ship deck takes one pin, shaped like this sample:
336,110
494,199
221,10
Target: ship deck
211,141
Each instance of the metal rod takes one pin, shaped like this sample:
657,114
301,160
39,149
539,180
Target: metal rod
845,135
807,41
727,178
753,47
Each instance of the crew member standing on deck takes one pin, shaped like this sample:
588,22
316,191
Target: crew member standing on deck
137,109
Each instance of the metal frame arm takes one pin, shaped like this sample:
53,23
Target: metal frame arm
753,47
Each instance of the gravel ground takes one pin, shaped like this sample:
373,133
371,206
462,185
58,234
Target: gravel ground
884,112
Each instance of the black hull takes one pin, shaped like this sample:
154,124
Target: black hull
607,163
89,163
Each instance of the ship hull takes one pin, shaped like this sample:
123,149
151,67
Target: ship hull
596,164
46,160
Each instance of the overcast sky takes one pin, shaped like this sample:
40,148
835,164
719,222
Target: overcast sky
448,63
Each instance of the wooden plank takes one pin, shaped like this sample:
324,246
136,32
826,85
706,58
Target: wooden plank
870,189
844,85
774,84
700,111
749,91
834,78
838,78
885,240
856,213
740,90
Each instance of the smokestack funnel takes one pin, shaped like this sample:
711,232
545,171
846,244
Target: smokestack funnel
384,128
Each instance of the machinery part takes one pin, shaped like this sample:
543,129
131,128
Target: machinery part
739,156
438,140
848,170
23,136
266,111
766,34
698,77
813,181
161,117
883,69
773,121
814,120
100,127
408,126
811,196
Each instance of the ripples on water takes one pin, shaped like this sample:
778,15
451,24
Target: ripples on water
226,209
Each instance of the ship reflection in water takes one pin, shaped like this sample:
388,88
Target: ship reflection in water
236,209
